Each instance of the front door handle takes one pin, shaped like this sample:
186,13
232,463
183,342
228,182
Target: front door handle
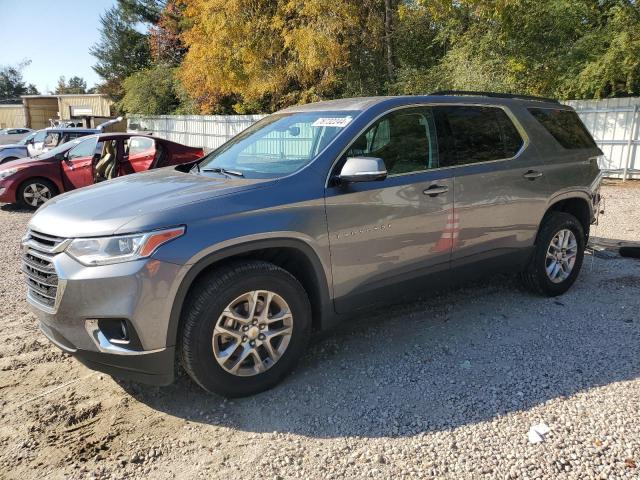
435,190
532,174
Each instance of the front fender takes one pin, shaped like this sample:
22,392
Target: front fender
243,246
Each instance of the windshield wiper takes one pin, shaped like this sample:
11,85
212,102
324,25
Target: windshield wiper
235,173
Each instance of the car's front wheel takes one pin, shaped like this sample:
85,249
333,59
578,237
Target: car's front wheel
35,192
558,255
244,328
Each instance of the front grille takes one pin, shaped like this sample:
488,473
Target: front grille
38,268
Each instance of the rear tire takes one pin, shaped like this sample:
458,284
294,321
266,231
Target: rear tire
34,192
225,329
8,159
558,255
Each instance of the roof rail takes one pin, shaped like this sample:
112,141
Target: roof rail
495,95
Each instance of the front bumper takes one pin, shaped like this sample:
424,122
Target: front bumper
8,190
138,293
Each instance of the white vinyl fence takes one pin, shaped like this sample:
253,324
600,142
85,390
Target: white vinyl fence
614,124
207,131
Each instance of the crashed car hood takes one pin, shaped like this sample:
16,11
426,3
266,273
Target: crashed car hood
106,208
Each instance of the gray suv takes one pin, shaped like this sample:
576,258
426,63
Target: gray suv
227,265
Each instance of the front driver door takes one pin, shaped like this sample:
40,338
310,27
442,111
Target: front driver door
77,168
386,236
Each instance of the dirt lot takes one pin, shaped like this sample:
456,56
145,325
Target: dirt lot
443,387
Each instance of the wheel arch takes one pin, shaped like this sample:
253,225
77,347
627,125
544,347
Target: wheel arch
293,255
577,204
56,184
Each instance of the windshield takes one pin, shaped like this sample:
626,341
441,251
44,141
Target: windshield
278,145
27,138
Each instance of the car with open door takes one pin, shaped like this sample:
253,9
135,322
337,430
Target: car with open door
84,161
42,141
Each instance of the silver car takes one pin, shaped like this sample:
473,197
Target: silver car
227,265
13,135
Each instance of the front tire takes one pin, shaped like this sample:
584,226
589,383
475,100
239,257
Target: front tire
35,191
245,326
558,255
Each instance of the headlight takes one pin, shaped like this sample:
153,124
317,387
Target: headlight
125,248
8,172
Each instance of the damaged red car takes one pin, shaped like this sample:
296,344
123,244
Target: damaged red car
32,181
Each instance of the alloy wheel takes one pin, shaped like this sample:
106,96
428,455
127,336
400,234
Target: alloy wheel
252,333
36,194
561,256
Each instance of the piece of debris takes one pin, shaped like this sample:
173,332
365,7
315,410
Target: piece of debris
466,365
537,433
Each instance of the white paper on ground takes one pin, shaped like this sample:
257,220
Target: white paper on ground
537,432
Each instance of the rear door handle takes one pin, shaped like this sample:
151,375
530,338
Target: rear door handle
532,174
435,190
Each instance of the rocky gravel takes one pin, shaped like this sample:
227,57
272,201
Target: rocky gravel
445,387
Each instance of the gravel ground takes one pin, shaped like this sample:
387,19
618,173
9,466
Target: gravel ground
446,387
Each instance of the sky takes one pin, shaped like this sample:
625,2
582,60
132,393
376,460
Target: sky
54,34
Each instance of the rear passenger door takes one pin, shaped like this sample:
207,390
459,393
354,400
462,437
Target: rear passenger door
500,186
140,153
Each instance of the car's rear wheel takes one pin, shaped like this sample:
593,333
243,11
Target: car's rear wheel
245,327
558,255
8,159
34,192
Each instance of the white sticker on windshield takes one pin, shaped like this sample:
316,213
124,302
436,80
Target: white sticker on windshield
338,122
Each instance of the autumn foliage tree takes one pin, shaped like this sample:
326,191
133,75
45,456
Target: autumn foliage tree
245,56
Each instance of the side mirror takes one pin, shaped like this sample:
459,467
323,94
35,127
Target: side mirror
363,169
60,156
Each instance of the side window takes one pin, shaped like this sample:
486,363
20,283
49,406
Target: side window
482,134
85,148
406,140
565,126
137,145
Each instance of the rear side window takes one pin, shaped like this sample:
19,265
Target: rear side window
482,134
565,126
137,145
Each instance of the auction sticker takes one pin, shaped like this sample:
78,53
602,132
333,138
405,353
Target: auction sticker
338,122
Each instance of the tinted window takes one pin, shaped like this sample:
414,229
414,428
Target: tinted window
482,134
85,148
406,140
565,126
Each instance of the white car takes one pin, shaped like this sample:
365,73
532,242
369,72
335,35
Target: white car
13,135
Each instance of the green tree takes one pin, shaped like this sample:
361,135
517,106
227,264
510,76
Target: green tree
75,85
121,51
12,84
154,91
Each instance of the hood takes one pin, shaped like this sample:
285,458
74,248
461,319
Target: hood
106,208
22,162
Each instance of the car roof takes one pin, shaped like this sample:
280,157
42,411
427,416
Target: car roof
364,103
71,130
